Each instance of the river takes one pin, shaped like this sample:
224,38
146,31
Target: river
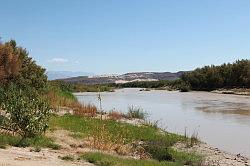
220,120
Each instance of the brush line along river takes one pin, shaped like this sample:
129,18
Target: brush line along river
221,120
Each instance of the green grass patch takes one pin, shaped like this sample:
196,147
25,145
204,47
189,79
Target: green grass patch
40,141
92,88
100,159
6,140
186,158
87,126
157,144
161,151
67,94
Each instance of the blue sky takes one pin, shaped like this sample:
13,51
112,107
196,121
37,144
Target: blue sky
118,36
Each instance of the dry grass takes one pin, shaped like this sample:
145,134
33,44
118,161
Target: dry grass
114,115
10,63
84,110
193,140
56,100
59,99
102,139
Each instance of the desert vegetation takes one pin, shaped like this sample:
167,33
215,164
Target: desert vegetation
226,76
157,85
33,108
30,109
92,88
144,141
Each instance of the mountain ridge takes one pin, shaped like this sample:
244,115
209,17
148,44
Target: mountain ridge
53,75
123,78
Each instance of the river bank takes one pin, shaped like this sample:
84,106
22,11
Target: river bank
214,156
188,112
79,137
235,91
72,145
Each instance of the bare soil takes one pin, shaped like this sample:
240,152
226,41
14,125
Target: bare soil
14,156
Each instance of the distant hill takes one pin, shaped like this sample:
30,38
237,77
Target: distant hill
128,77
53,75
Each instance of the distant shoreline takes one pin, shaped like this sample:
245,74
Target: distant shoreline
234,91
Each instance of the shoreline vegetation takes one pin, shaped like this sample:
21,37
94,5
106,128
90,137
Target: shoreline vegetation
41,122
230,78
148,86
235,91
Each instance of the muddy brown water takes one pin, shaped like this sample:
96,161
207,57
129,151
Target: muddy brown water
221,120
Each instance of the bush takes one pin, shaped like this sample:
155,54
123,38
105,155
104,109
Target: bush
59,95
136,112
184,89
25,113
158,149
36,142
22,86
18,68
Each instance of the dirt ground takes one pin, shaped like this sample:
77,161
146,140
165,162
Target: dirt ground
14,156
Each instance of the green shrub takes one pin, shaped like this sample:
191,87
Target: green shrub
8,140
184,89
36,142
26,113
158,149
79,87
1,119
136,112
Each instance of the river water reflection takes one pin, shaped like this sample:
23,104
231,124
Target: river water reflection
221,120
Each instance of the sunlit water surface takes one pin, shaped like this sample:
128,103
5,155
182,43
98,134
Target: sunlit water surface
221,120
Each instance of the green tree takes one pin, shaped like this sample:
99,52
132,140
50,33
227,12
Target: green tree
225,75
23,84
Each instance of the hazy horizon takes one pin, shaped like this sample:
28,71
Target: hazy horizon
83,73
116,37
174,71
